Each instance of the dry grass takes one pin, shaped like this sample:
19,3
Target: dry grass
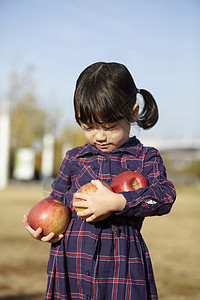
22,259
173,241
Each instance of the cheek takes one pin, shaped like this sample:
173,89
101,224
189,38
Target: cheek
117,137
120,138
87,135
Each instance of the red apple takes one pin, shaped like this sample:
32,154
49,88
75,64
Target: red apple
128,181
90,188
49,214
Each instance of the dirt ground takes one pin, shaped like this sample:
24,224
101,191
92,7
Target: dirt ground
173,241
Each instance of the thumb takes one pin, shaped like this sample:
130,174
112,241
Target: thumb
100,184
97,183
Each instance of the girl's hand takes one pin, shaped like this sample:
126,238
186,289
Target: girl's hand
99,203
37,234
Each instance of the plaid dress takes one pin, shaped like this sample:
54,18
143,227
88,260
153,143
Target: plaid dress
108,260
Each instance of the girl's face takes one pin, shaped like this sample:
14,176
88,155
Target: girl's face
107,136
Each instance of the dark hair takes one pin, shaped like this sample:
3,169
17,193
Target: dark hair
106,92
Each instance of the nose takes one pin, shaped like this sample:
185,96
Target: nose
100,135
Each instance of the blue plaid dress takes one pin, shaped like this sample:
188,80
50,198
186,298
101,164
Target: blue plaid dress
108,260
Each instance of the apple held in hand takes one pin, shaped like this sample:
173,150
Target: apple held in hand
128,181
49,214
90,188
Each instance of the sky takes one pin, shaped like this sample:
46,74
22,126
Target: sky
158,41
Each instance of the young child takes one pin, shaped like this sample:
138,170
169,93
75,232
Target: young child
107,260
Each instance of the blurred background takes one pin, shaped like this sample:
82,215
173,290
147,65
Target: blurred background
45,44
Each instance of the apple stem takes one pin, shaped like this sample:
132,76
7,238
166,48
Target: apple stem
133,185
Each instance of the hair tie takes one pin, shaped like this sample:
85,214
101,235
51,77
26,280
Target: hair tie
138,90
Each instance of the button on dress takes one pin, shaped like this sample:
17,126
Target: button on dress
108,260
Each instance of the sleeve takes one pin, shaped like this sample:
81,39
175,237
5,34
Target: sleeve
63,181
158,197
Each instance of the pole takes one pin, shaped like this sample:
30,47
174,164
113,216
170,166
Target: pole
4,144
47,155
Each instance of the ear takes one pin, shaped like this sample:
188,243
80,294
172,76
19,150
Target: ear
135,112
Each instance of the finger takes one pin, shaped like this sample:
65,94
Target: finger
97,183
36,233
82,196
82,204
57,239
48,237
51,238
27,226
84,213
25,220
91,218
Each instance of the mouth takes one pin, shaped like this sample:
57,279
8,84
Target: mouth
103,146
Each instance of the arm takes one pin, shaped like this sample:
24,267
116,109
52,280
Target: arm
63,180
160,190
60,186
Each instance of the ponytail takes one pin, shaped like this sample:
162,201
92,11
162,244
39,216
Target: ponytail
148,117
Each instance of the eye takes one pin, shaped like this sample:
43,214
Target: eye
86,127
110,127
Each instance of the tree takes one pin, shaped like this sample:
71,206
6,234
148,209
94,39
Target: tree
28,120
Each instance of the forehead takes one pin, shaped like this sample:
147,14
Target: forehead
98,124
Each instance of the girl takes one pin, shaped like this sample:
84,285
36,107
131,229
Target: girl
107,260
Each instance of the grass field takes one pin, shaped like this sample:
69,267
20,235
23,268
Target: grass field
173,241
